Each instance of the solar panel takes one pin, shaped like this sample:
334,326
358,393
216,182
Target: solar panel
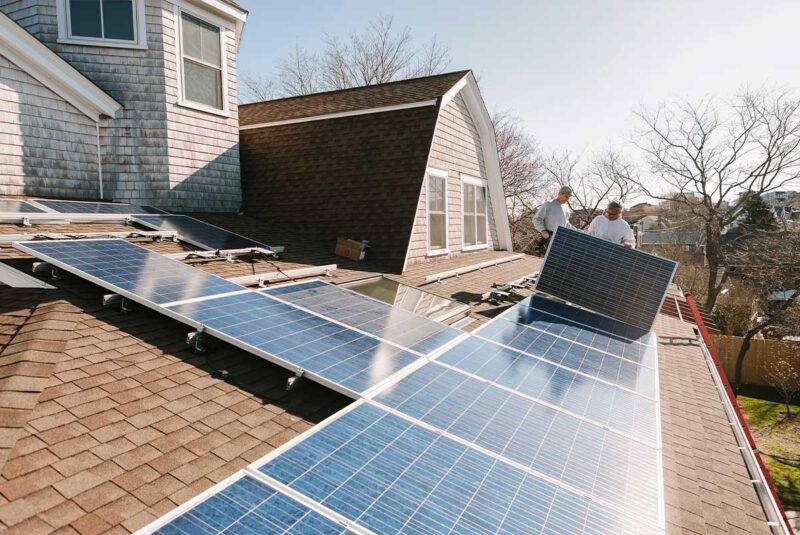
198,233
249,506
625,284
581,453
19,207
359,311
129,270
333,354
329,350
573,390
81,207
390,475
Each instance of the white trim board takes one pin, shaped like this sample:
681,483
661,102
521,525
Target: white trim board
351,113
24,50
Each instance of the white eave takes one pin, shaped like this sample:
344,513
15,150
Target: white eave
33,57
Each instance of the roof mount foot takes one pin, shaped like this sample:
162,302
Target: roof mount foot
55,273
39,267
291,383
114,299
195,339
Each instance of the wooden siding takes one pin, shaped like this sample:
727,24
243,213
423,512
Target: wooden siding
47,146
456,149
153,152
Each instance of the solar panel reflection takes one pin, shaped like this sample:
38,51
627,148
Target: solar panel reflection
396,325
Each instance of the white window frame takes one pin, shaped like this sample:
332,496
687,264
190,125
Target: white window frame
438,173
223,50
483,183
139,29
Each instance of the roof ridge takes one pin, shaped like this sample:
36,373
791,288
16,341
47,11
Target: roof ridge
337,91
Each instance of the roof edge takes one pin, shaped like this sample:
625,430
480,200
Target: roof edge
24,50
363,111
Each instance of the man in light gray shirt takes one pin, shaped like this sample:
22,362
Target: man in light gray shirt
551,215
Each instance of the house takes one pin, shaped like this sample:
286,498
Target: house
113,100
410,166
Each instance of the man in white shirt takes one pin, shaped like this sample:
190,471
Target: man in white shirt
610,226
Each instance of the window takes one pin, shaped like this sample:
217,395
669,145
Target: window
437,211
201,62
101,22
473,193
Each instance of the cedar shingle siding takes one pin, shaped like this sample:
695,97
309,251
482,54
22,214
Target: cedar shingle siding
154,151
47,146
356,177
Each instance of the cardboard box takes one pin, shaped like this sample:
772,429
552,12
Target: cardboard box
351,249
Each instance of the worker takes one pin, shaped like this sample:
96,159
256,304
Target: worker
610,226
551,215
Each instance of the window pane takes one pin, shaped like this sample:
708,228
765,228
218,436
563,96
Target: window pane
481,224
436,227
191,34
436,192
481,200
469,199
210,38
469,229
202,84
118,19
84,18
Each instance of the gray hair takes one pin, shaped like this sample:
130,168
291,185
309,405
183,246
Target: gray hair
614,205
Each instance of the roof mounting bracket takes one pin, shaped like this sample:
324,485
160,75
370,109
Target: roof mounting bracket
55,273
291,382
113,299
195,339
26,222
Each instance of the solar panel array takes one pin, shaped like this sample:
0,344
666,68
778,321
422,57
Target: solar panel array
560,436
198,232
626,284
18,207
545,419
348,360
81,207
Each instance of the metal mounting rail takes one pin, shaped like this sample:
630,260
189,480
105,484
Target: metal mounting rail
474,267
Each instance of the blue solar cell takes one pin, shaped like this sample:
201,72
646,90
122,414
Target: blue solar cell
122,266
79,207
198,232
625,284
248,506
332,351
603,365
589,320
581,454
601,402
11,206
399,326
392,476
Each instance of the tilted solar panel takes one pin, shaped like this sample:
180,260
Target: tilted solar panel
198,233
625,284
127,268
249,506
391,475
81,207
326,349
18,207
359,311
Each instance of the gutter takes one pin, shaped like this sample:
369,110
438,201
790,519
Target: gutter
761,478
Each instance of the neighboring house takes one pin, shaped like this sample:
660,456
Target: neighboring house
115,99
654,240
786,207
410,166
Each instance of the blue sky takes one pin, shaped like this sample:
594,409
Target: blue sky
573,71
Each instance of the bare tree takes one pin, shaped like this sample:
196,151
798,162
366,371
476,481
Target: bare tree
608,176
378,54
783,374
522,172
256,88
769,263
710,159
